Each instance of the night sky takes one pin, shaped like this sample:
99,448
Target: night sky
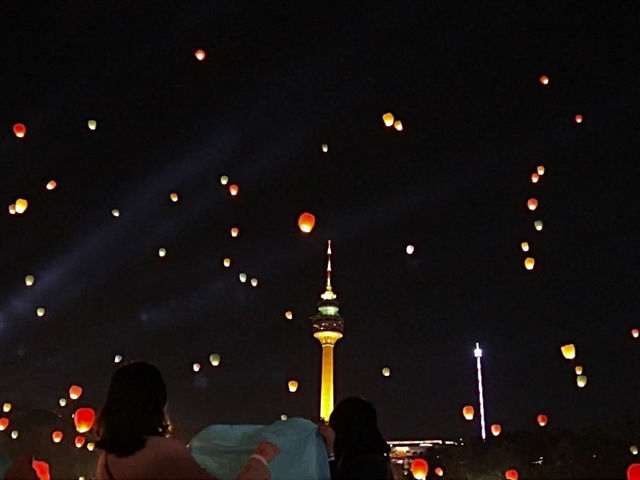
278,82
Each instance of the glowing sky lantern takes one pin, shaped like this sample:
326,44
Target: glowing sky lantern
224,180
398,125
511,474
325,147
14,434
117,358
568,351
540,170
532,203
635,332
79,441
544,80
578,369
496,428
529,263
633,449
196,367
467,412
226,262
42,469
419,468
200,54
388,119
283,417
51,185
293,385
173,197
6,407
62,402
56,436
542,419
4,423
288,315
12,209
162,252
578,118
524,246
306,222
214,358
581,381
410,249
83,419
115,212
75,391
535,177
538,224
40,311
386,371
21,205
439,471
633,472
235,231
19,130
92,124
254,282
242,277
91,446
234,189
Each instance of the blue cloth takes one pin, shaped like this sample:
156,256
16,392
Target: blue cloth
222,450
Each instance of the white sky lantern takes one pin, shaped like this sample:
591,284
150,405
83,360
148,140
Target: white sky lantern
115,212
92,124
410,249
540,170
242,277
226,262
581,380
633,449
283,417
62,402
325,147
174,197
28,280
14,434
214,358
524,246
386,371
117,358
538,224
224,179
398,125
162,252
12,209
196,367
40,311
91,446
234,232
254,282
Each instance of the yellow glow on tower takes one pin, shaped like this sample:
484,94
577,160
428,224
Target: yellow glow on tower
328,327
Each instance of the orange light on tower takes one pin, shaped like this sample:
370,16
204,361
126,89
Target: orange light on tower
234,189
200,54
468,412
19,130
544,80
511,474
568,351
56,436
419,468
75,391
542,419
306,222
83,419
496,428
532,203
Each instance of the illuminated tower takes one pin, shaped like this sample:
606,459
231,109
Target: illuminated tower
328,327
477,352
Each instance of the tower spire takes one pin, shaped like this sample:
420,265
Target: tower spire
328,293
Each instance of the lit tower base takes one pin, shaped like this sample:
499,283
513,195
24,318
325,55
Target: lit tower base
328,327
477,352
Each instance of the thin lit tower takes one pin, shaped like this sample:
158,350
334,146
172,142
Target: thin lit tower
328,327
478,354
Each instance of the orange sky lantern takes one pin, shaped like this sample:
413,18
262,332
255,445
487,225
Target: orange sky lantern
235,232
200,54
544,80
578,369
20,130
635,332
21,205
496,428
226,262
4,423
83,419
306,222
542,419
419,468
535,177
79,441
12,209
173,197
511,474
439,471
468,412
293,385
42,469
288,315
532,203
51,185
234,189
398,125
568,351
388,119
75,391
57,436
540,170
524,246
578,118
6,407
529,263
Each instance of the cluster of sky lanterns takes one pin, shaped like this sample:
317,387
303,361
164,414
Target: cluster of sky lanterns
214,360
569,352
390,120
532,205
19,206
4,421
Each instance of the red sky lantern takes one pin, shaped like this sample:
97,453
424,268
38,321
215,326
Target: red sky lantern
42,469
544,80
235,232
542,420
467,412
74,392
4,423
233,190
438,471
635,332
511,474
535,177
496,428
532,203
200,54
79,441
633,472
20,130
83,419
419,468
578,118
57,436
306,222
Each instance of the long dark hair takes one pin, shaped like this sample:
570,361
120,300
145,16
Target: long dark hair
134,409
356,425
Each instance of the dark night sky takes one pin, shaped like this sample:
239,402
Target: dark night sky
276,84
